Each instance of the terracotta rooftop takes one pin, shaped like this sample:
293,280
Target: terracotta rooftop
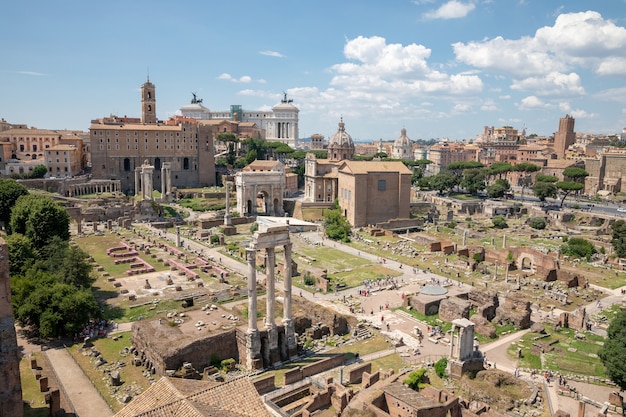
364,167
172,397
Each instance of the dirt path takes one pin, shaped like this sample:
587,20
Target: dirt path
83,395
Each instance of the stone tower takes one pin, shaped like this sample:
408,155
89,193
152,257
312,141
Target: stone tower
565,136
148,103
10,384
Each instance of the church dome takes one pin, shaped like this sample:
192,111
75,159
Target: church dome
341,138
403,140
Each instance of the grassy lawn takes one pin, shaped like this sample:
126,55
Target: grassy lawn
96,246
34,401
563,352
132,376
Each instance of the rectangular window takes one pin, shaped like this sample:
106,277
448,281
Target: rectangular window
382,185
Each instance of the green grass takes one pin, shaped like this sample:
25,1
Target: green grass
34,400
563,352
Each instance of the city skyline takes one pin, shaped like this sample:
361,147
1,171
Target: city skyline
437,68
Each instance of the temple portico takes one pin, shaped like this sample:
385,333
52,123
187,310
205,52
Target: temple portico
268,348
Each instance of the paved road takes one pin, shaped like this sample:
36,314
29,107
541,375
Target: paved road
85,398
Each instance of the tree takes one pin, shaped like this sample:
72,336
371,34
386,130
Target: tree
22,255
543,190
578,248
568,187
40,219
538,223
575,174
618,236
39,171
52,308
10,191
498,169
336,226
444,181
525,168
613,354
473,181
546,178
497,189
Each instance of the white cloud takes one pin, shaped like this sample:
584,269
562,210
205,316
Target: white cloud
584,40
532,102
378,67
554,83
33,73
243,79
272,53
453,9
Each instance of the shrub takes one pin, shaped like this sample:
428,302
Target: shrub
414,379
538,223
440,367
215,239
227,364
254,227
499,222
308,279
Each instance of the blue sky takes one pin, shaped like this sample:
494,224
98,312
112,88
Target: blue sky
439,68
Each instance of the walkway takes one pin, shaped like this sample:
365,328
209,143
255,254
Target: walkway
82,394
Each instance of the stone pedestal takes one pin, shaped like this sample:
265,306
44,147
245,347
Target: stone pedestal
253,349
290,338
273,351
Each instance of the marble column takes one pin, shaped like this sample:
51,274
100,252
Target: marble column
253,337
163,189
137,182
290,332
270,300
252,307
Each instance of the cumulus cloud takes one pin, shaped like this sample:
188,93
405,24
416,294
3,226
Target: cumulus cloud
272,53
551,84
584,40
243,79
532,102
453,9
376,66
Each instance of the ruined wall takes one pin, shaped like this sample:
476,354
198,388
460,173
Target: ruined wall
10,383
485,302
453,308
514,311
160,355
315,368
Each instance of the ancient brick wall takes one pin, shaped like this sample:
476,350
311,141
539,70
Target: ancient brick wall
265,385
454,308
356,374
10,383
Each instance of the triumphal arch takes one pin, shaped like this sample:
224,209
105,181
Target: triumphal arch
260,189
273,343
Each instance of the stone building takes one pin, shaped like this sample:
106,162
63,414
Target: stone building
401,148
63,160
261,188
607,173
368,192
119,145
280,124
565,136
10,384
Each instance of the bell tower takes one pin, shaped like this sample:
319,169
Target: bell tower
148,103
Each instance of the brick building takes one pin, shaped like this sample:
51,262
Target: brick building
119,145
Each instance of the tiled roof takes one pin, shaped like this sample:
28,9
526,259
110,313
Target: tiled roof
364,167
173,397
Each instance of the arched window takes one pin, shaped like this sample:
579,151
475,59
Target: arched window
186,163
149,107
126,164
157,164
